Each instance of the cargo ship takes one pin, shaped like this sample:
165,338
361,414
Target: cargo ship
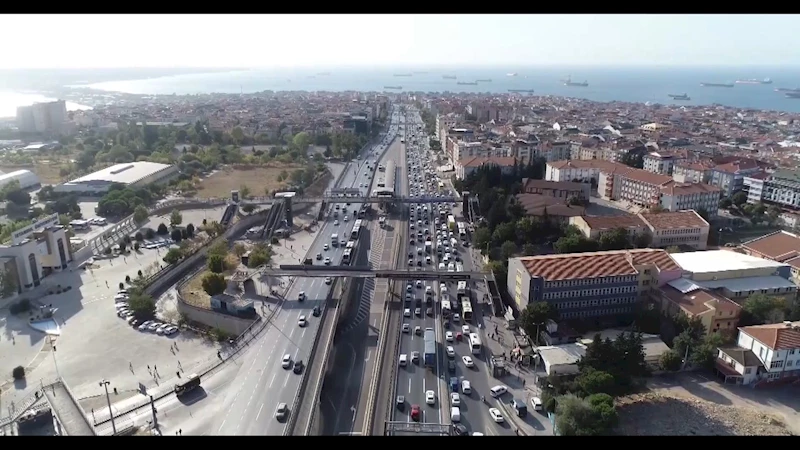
393,87
485,80
513,74
792,95
524,91
449,77
754,81
727,85
787,89
403,74
467,83
568,82
679,96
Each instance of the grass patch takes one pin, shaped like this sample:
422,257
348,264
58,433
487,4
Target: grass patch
48,172
256,178
193,293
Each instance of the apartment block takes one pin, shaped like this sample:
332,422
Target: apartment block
558,189
763,354
696,196
729,177
780,188
691,172
633,185
600,285
49,117
661,162
466,166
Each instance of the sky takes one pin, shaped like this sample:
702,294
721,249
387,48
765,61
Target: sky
265,41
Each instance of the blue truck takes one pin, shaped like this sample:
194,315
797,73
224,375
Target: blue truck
430,348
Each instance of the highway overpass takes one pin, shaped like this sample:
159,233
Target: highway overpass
296,270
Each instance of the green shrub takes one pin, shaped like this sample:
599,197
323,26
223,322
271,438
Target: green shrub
18,373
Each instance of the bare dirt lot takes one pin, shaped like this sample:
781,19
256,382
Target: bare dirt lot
655,414
47,173
257,179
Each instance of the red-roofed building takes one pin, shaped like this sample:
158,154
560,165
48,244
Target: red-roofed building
775,346
598,285
665,228
465,167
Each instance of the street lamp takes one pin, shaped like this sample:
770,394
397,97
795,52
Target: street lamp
52,344
105,383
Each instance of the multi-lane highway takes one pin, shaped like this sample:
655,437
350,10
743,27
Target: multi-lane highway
261,382
414,380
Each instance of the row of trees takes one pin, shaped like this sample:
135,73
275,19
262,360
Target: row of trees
573,241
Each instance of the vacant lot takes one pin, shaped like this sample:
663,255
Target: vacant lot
257,179
656,414
47,173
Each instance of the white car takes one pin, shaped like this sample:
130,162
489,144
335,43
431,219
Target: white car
327,261
468,361
302,321
406,328
430,397
346,218
286,362
407,312
536,403
450,351
496,415
336,223
465,330
328,280
498,390
455,398
325,247
449,336
466,387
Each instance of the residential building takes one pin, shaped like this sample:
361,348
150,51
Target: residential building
556,151
597,285
736,275
526,149
583,171
556,209
697,196
661,162
716,312
594,227
665,228
563,190
730,176
465,167
49,117
636,186
780,246
691,172
777,348
780,188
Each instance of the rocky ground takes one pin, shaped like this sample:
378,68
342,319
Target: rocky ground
653,414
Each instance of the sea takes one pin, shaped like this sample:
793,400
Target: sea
628,84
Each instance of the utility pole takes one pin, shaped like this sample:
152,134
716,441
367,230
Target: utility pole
52,344
105,383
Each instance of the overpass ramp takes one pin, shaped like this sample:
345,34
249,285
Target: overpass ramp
70,417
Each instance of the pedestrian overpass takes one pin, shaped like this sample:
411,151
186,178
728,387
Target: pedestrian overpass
69,418
310,271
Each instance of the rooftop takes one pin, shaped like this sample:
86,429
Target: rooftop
535,205
711,261
125,173
602,223
562,354
743,356
530,183
574,266
478,161
778,246
697,301
672,220
776,336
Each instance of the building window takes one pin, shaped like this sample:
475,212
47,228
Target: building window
748,370
776,364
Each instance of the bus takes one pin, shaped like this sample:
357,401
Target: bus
466,310
80,224
462,230
188,385
446,309
475,343
461,288
349,252
356,229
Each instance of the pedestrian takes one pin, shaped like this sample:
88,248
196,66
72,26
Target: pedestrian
523,383
178,373
148,367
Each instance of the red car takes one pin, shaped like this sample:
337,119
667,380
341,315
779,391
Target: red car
458,336
415,414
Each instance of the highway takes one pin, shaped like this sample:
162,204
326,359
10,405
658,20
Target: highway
261,384
415,379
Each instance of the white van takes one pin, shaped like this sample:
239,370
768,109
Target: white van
455,414
403,360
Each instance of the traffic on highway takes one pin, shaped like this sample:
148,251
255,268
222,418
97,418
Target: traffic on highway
267,384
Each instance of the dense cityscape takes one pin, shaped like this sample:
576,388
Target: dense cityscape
306,263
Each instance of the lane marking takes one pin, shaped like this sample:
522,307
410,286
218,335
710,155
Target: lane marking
287,380
259,411
409,385
273,379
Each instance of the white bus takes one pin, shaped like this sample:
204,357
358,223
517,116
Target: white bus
446,305
461,287
475,343
466,310
80,224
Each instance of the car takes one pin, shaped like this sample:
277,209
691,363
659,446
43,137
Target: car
121,297
302,321
316,311
328,280
448,336
496,415
325,247
120,306
400,401
143,326
415,413
153,325
162,328
455,398
406,328
465,329
282,411
536,403
419,282
327,261
430,397
460,430
418,330
319,256
346,218
498,390
298,366
402,360
467,361
336,223
466,388
407,312
122,313
286,361
417,311
451,365
410,262
301,296
409,288
415,356
456,318
429,311
342,242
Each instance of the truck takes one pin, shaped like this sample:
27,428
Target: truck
430,348
335,240
187,385
451,223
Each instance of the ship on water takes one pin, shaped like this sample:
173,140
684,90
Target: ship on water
467,83
568,82
513,74
484,80
754,81
725,85
394,87
403,74
792,94
524,91
787,89
449,77
679,96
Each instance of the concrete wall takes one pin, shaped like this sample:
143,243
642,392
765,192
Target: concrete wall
229,324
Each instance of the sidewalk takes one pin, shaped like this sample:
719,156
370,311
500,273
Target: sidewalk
520,380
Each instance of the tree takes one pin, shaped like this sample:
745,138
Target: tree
190,230
162,229
739,198
214,229
670,360
237,134
244,191
725,203
623,358
214,283
762,308
575,244
673,249
528,250
216,263
176,235
642,240
173,256
595,382
575,201
655,209
140,214
533,318
239,249
508,249
616,239
577,417
705,354
142,305
248,208
481,238
301,140
8,284
18,197
175,218
18,373
259,256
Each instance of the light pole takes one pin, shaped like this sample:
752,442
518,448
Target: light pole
52,344
105,383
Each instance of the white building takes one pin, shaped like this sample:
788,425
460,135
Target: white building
135,174
561,359
696,196
768,353
26,179
50,117
661,162
781,188
35,252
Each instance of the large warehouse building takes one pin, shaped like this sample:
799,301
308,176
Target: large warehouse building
130,174
26,178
